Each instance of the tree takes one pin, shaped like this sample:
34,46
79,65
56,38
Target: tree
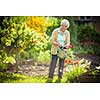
14,36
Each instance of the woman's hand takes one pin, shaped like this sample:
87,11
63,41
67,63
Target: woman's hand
57,44
69,46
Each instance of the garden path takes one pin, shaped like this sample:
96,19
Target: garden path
43,69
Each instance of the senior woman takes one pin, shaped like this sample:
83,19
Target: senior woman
60,38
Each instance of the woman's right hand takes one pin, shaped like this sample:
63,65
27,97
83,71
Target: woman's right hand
57,44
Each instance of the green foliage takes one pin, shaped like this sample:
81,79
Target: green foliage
89,39
73,31
86,33
9,59
70,54
18,78
15,36
75,69
39,49
44,57
22,55
95,72
17,41
54,23
41,42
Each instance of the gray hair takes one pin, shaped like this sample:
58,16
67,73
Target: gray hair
65,21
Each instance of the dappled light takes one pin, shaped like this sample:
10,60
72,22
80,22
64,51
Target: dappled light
25,44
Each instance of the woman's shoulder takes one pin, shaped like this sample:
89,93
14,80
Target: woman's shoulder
56,30
67,32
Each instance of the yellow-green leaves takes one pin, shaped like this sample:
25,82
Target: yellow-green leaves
10,60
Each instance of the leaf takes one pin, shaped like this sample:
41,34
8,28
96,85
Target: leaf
81,61
10,60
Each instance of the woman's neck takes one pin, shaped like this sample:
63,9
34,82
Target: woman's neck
61,29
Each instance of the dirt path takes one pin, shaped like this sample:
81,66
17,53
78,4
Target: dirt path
43,69
31,70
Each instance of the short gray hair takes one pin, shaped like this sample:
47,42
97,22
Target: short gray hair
65,21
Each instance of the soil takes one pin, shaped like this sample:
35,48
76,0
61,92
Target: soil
43,69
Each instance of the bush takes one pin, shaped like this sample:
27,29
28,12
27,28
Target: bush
37,23
15,36
89,39
54,23
44,57
76,67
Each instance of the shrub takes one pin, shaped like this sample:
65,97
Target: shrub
89,39
15,36
37,23
74,68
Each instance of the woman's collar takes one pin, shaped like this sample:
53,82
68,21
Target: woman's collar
59,30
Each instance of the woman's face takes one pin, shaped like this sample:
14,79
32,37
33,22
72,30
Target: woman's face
64,27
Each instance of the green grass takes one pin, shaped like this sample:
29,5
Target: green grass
18,78
68,77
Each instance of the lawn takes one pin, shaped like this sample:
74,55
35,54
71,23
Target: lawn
18,78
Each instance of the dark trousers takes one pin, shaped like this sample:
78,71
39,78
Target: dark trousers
53,65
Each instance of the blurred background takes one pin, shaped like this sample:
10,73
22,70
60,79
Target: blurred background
25,40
